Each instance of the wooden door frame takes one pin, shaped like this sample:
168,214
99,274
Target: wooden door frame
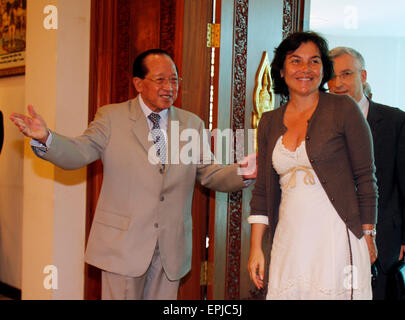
293,20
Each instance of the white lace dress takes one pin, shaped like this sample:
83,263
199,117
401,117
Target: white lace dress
310,257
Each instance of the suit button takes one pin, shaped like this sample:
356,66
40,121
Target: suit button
162,198
307,137
332,199
312,160
323,181
156,225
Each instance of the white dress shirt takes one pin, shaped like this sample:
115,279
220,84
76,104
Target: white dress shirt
164,115
364,105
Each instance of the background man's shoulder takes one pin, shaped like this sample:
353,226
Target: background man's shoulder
388,111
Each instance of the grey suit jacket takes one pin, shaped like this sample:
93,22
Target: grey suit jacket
140,204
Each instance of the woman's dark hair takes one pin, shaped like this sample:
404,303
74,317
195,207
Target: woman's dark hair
290,44
139,68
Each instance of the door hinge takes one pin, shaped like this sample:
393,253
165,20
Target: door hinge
213,35
206,275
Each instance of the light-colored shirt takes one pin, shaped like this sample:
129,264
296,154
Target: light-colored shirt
42,148
364,105
164,115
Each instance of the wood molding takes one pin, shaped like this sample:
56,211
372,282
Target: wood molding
109,83
167,25
293,15
232,287
122,66
195,98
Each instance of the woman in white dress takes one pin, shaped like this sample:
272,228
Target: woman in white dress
315,186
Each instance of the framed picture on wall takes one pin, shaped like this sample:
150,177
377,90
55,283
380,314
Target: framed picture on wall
12,37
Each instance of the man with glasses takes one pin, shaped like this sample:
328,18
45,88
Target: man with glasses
387,126
141,236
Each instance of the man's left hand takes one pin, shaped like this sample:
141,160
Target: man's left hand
248,167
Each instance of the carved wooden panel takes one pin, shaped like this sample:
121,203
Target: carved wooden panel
232,287
291,11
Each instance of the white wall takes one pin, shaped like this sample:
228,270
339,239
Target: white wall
385,65
54,201
12,99
376,29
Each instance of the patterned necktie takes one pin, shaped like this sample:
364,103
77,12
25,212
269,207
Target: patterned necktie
158,137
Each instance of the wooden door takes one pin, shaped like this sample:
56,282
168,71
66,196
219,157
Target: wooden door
120,30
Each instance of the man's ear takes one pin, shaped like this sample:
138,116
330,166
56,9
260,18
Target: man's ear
363,75
138,84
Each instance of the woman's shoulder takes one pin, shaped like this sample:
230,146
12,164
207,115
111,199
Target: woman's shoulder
343,103
272,114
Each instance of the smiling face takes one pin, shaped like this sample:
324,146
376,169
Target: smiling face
303,70
157,97
349,77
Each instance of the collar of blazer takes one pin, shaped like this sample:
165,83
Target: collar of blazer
141,129
374,117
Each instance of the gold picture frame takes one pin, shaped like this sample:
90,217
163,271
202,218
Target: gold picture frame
13,19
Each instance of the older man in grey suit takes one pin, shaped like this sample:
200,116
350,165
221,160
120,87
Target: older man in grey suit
141,236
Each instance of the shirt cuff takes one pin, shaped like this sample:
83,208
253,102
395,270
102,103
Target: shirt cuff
258,219
42,148
248,182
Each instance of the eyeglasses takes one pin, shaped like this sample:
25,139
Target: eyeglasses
163,81
344,75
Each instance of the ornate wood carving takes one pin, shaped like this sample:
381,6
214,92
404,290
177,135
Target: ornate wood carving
291,16
232,288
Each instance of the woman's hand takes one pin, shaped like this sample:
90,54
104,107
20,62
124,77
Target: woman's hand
256,267
372,248
401,253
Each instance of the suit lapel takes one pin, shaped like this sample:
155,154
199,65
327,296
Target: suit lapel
140,126
174,129
140,129
374,119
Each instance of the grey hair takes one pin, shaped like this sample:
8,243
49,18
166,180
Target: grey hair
367,89
339,51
